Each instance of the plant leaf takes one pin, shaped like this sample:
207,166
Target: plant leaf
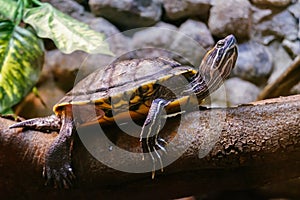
67,33
21,60
8,9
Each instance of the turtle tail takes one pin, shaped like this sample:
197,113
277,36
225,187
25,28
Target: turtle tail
46,124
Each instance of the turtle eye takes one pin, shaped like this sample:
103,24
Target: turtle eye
220,44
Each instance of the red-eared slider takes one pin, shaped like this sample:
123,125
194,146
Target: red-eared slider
137,86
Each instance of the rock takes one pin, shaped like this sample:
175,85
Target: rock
292,47
161,35
196,40
118,43
296,89
64,67
102,25
69,7
254,63
282,60
167,40
239,91
128,14
199,32
259,14
295,11
232,16
32,106
279,26
178,9
153,41
277,3
84,3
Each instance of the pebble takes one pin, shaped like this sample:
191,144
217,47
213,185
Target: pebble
280,26
178,9
282,62
230,17
239,91
128,14
254,63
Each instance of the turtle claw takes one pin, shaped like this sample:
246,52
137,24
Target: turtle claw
161,140
152,146
161,148
57,169
161,143
61,178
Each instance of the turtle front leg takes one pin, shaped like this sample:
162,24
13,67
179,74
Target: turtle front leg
151,142
57,169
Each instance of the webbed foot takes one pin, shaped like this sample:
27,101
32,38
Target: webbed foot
57,169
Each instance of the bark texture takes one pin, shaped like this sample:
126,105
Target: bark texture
246,147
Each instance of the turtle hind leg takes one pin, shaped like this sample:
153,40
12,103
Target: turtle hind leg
151,142
57,168
46,124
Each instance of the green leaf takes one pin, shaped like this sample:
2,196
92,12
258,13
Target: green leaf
8,111
8,9
67,33
21,60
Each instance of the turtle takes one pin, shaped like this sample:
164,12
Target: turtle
143,87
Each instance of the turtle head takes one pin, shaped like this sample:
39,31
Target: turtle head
218,62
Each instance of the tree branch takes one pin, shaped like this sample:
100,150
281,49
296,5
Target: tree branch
235,148
284,83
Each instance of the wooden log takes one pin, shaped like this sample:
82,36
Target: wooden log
284,83
244,147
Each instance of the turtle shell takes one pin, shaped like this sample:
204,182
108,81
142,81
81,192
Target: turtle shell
125,87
